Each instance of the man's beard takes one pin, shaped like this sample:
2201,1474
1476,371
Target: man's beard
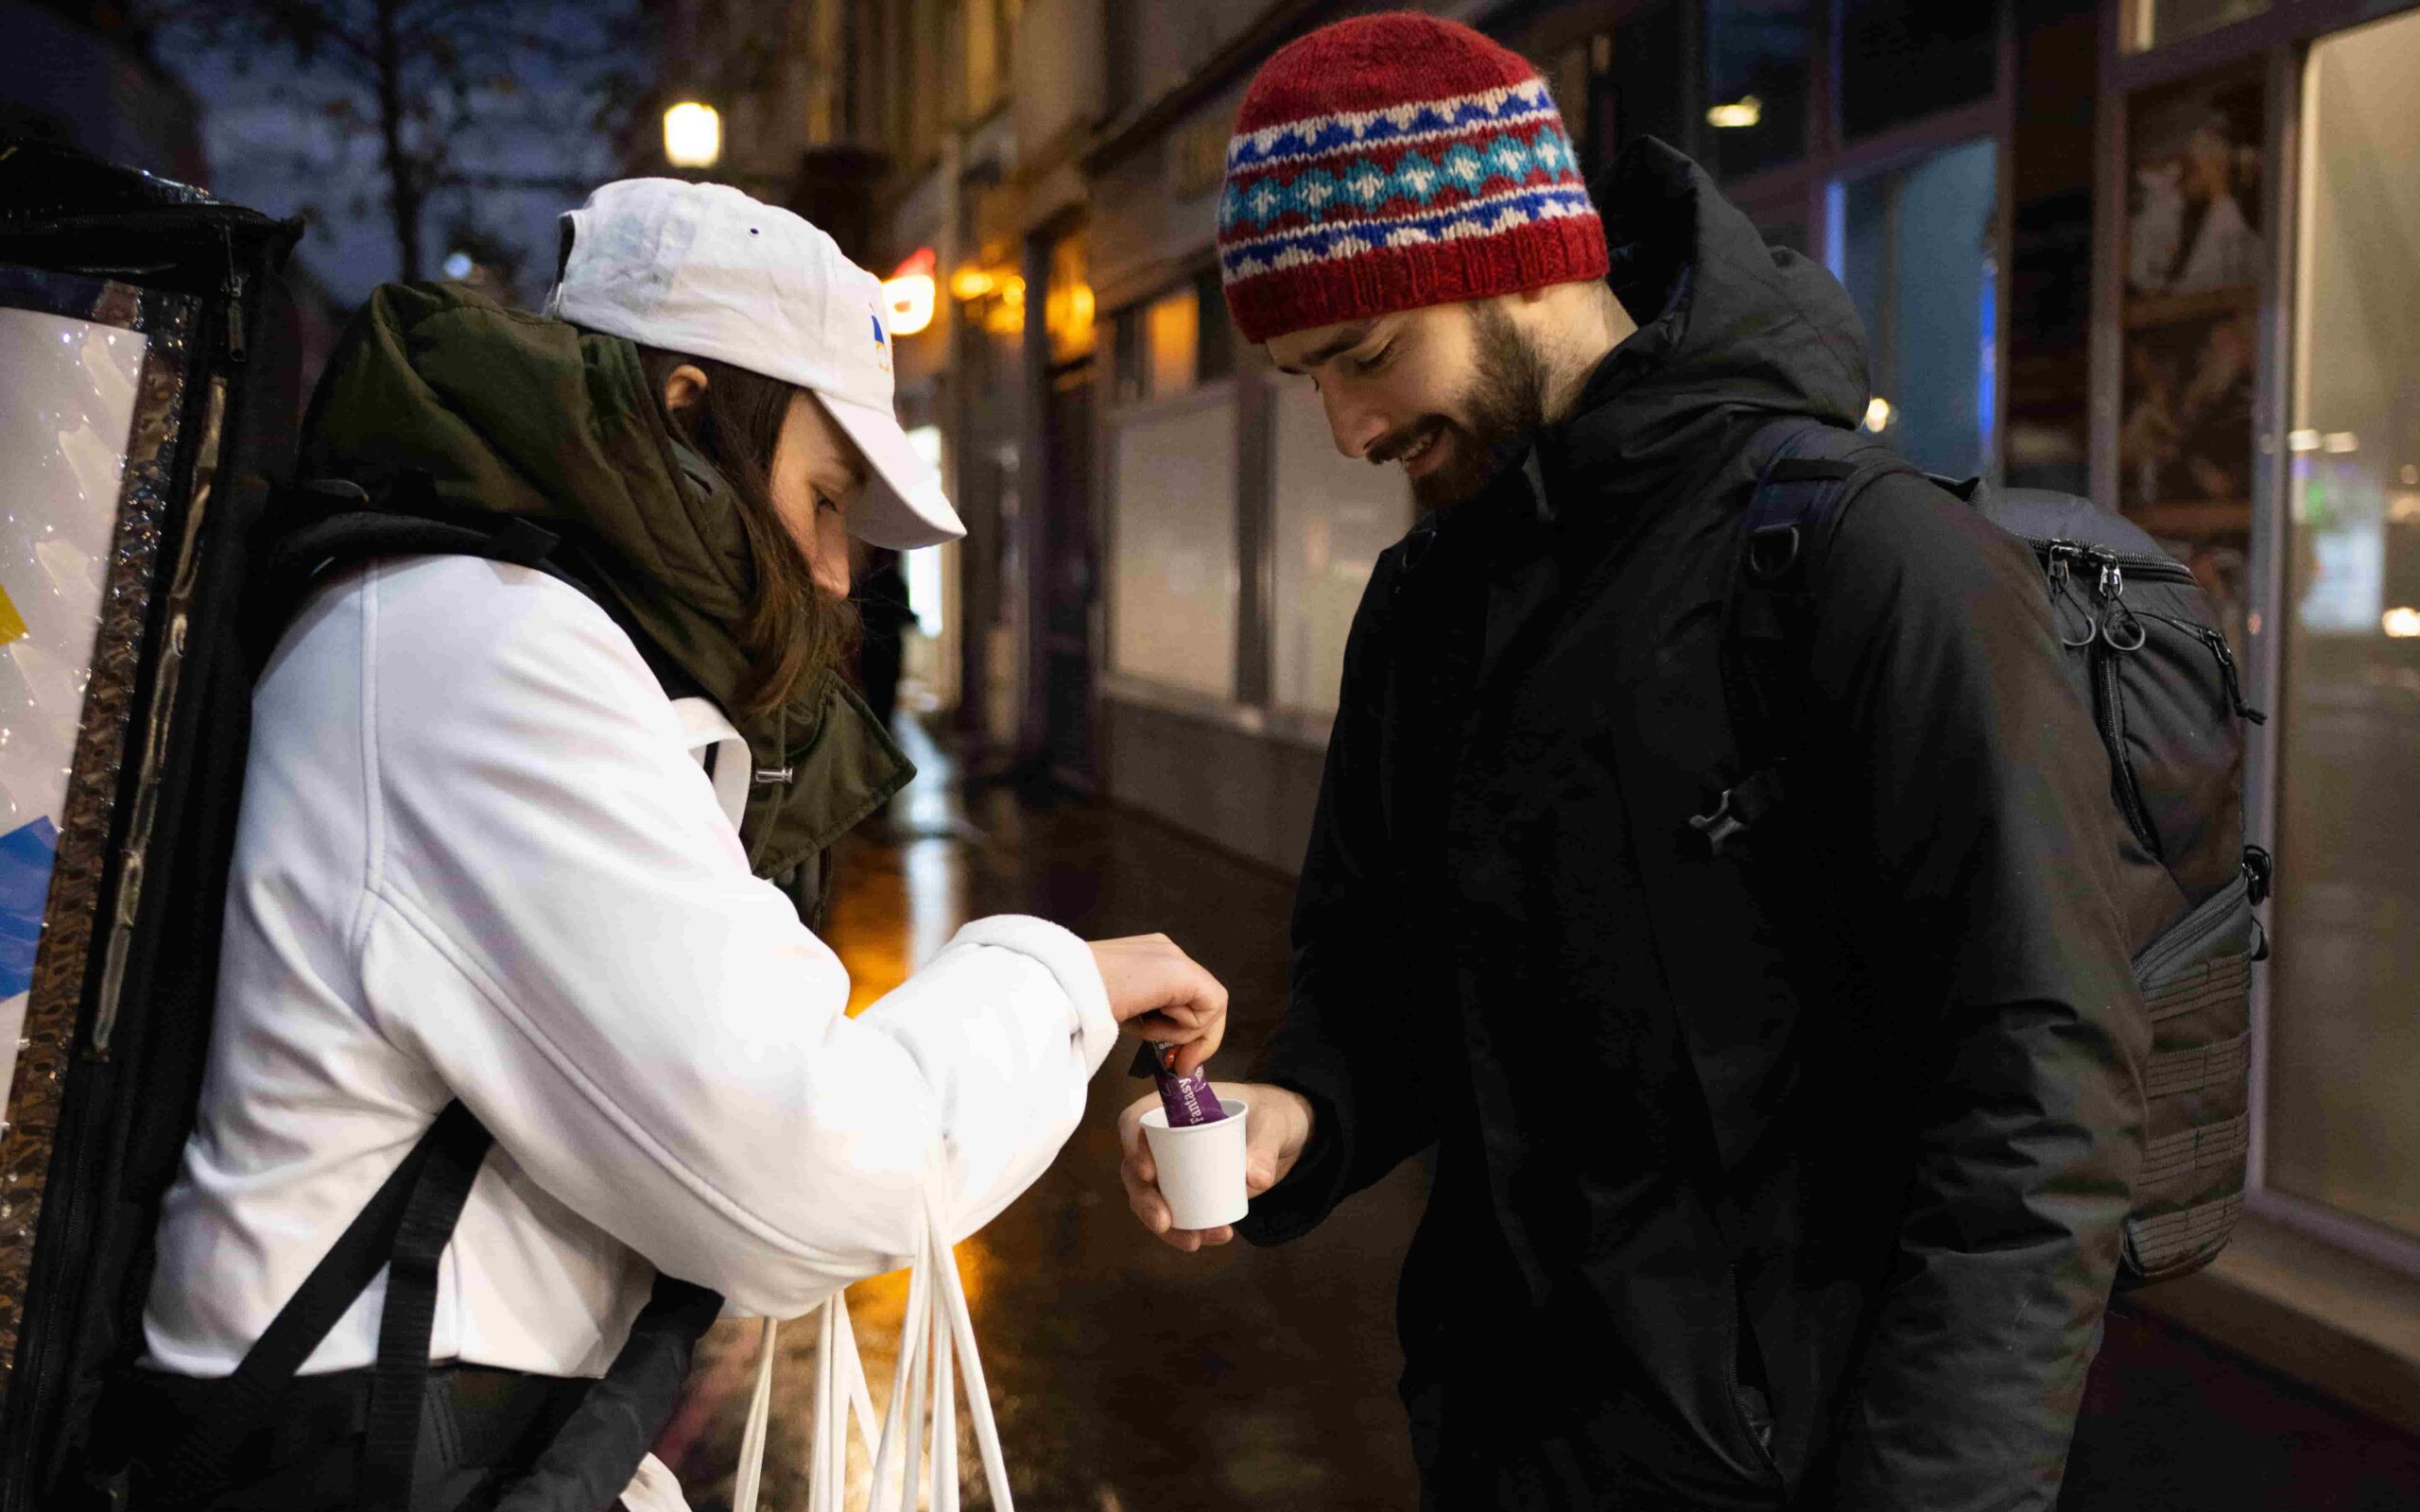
1506,405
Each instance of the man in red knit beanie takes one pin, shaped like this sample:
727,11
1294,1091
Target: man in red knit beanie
1782,1148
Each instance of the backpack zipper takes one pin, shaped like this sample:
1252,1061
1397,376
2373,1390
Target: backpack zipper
2108,714
2219,648
2130,799
2162,568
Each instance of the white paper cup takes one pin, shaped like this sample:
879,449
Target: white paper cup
1201,1168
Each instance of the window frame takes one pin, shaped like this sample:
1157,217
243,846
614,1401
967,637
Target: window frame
1810,190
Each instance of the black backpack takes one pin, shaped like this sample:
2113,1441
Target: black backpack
82,1327
107,1089
2145,655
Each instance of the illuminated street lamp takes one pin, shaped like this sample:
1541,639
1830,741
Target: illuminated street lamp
692,135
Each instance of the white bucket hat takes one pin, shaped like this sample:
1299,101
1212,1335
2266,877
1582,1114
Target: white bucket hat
703,269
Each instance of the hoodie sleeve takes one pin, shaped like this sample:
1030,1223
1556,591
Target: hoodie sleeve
1343,1042
560,919
1978,787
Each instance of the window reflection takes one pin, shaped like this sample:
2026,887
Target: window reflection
2345,1035
1756,65
1914,248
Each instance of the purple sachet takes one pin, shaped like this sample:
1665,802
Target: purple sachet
1187,1099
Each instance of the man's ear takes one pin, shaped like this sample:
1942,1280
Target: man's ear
683,385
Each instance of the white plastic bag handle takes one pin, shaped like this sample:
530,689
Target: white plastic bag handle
937,1333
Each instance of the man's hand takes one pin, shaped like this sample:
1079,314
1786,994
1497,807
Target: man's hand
1164,993
1278,1128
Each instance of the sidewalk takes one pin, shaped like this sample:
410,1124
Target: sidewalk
1130,1377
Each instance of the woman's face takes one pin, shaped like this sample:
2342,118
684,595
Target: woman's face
818,477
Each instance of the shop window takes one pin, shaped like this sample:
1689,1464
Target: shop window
1915,248
1904,60
1757,64
1173,580
989,40
1067,305
1333,514
1172,336
2193,254
2158,23
1174,343
2343,1050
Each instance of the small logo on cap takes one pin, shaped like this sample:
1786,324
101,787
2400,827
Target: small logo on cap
881,339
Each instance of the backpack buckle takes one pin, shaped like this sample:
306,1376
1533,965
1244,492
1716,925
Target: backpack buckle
1738,809
1772,551
2260,869
1719,824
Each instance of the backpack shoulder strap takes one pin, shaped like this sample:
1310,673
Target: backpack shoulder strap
312,529
1811,473
414,1209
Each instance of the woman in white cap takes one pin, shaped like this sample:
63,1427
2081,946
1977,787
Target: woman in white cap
541,777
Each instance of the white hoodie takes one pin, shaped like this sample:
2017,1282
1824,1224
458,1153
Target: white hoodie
479,857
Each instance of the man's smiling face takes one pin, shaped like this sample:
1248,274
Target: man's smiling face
1454,392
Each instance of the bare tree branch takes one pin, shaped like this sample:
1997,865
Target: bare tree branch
455,99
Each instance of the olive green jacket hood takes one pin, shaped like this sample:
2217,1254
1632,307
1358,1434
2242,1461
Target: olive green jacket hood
529,416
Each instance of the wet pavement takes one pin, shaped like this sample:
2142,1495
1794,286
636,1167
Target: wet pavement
1129,1376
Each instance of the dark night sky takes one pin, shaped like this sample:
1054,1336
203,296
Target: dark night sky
270,145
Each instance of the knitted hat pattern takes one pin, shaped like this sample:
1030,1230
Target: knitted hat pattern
1395,161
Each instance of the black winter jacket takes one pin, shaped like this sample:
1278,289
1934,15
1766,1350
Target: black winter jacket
1790,1178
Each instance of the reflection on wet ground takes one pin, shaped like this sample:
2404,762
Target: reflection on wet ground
1128,1376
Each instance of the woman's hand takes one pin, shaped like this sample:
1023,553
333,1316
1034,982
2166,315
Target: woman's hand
1164,993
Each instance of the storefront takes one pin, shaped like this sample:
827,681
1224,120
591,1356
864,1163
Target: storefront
2256,409
1235,542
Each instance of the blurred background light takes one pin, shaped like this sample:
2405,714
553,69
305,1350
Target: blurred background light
1745,112
910,292
692,135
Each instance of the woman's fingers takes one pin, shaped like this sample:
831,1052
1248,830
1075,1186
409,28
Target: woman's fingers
1146,975
1195,1052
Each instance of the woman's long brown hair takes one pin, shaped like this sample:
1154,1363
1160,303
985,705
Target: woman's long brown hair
794,629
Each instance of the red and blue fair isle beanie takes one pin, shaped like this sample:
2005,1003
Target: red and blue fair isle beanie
1395,161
